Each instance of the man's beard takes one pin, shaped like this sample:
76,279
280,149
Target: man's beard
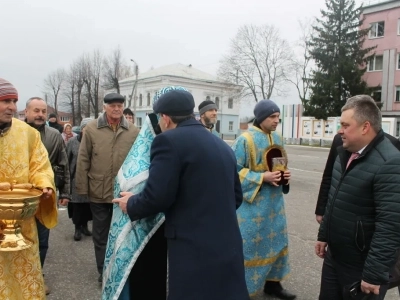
209,122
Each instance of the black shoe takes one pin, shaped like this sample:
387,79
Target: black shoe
77,235
85,230
100,279
282,294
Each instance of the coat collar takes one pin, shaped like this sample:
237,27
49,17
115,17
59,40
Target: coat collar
190,122
102,122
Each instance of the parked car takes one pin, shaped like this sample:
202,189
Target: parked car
76,129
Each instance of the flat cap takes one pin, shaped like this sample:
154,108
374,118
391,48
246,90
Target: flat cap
114,97
175,103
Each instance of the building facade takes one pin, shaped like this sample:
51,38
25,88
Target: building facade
139,93
383,69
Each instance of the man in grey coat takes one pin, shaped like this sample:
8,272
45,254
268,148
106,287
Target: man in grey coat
36,115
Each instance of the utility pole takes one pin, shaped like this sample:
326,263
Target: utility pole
134,88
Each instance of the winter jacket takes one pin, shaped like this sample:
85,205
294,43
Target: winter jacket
361,222
327,175
101,154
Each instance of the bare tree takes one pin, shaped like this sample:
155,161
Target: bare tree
73,89
302,61
92,76
115,69
53,83
259,60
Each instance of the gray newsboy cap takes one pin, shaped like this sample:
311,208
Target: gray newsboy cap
265,108
114,97
175,103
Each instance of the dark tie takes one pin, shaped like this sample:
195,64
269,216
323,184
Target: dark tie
352,157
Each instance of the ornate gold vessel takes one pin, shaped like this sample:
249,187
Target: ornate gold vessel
18,202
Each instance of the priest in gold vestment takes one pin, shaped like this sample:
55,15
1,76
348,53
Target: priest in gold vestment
24,158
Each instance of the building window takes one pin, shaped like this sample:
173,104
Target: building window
64,119
140,100
217,102
230,125
375,63
139,122
230,103
377,29
397,94
398,26
148,99
208,98
397,128
377,95
398,61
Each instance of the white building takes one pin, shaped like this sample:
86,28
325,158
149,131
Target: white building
201,85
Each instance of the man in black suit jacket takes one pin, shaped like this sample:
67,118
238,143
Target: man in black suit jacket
194,181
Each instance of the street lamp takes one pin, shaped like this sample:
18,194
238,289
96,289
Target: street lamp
134,88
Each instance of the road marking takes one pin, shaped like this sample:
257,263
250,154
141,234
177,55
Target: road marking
304,146
305,170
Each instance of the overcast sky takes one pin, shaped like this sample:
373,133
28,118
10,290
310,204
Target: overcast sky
39,36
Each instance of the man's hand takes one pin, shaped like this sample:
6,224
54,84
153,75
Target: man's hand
287,175
122,202
369,288
63,201
319,218
47,192
320,249
272,177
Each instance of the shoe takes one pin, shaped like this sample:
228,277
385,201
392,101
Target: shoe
77,235
85,230
282,294
46,289
100,279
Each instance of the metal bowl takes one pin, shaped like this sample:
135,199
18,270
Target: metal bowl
16,206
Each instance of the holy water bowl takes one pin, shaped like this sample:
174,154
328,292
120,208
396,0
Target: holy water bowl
16,206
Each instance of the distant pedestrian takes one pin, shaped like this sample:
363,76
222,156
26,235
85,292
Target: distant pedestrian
79,206
52,122
67,134
129,115
208,112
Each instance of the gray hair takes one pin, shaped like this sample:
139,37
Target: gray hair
31,99
365,109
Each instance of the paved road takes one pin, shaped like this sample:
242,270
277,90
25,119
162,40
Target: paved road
70,269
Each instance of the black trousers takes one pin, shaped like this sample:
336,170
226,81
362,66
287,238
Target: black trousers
150,270
102,213
335,277
81,213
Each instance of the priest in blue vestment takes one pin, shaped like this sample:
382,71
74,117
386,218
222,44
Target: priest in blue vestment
262,217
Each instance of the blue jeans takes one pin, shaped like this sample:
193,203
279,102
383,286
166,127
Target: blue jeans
43,235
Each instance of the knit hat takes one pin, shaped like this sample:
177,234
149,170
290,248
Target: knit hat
52,115
206,106
84,122
7,90
265,108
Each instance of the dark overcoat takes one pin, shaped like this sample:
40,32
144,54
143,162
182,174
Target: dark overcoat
194,181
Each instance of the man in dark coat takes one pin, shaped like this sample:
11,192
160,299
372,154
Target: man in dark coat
360,223
199,192
54,124
327,175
